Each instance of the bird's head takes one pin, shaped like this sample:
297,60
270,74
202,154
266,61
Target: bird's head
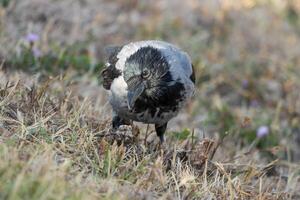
147,75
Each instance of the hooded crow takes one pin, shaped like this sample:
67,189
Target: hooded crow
149,82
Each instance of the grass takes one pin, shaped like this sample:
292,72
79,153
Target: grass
56,140
54,147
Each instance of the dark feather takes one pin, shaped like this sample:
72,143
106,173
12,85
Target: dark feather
148,57
165,92
108,75
192,77
110,72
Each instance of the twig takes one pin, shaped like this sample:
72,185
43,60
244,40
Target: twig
146,136
193,132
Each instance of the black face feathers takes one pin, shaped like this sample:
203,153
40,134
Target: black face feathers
165,97
146,59
149,66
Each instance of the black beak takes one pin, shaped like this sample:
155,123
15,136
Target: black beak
134,94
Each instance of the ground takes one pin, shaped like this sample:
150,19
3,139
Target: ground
238,138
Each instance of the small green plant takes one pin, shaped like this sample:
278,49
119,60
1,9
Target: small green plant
4,3
181,135
56,60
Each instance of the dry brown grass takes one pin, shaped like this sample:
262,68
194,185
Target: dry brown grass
53,146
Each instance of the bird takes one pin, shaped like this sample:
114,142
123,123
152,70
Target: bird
148,81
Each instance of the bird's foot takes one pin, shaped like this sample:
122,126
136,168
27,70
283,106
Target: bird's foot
117,122
160,147
157,144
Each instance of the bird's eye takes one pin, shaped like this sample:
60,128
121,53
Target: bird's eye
145,73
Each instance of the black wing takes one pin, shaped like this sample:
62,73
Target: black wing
110,72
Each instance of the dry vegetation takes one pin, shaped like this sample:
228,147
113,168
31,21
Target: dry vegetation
239,138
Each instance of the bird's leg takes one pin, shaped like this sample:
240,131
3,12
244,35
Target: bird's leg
160,130
117,121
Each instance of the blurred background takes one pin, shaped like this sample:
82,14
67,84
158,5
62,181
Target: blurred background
246,54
